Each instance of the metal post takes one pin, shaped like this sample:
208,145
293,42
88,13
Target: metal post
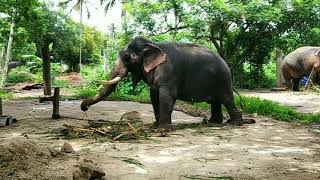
56,99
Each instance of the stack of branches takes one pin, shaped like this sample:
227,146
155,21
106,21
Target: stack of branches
113,130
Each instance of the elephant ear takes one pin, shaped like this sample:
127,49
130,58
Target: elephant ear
153,56
317,53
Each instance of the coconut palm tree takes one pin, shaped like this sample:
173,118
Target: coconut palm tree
79,5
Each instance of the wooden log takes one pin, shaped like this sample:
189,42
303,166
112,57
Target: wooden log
56,99
0,106
45,98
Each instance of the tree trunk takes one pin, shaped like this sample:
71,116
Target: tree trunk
46,73
81,28
2,58
279,60
105,59
124,16
9,51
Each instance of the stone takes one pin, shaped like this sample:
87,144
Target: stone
77,175
131,116
3,121
67,148
90,171
53,151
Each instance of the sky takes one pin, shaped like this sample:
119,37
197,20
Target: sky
98,18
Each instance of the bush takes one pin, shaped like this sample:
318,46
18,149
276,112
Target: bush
85,92
20,74
6,95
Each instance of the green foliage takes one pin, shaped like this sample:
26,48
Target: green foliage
20,74
60,83
6,95
124,89
92,75
299,25
86,92
277,111
244,33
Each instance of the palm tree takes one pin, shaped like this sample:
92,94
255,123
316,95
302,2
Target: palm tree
79,7
9,49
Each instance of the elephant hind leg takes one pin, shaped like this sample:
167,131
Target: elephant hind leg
295,86
216,113
235,114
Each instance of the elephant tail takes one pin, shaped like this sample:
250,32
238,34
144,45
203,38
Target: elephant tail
241,100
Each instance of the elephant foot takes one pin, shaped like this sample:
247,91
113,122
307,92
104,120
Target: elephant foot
215,121
165,127
235,122
155,125
212,122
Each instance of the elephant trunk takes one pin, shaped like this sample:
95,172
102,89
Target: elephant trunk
117,73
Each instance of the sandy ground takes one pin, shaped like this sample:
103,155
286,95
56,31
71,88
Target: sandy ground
303,102
268,149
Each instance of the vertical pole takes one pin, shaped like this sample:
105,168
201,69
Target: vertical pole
81,28
0,106
279,76
56,99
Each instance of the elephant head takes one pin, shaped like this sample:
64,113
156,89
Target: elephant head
139,58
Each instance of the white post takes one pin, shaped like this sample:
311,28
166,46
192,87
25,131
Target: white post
9,50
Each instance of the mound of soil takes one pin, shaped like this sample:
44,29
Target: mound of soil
73,79
23,159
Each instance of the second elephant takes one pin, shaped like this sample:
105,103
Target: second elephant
299,63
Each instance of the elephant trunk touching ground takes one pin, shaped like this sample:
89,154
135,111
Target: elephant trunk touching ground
175,71
117,73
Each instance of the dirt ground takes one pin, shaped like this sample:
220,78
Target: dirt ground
268,149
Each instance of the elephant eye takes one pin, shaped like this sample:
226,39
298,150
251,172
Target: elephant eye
126,57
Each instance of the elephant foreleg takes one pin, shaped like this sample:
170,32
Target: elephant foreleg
166,101
216,113
295,86
154,96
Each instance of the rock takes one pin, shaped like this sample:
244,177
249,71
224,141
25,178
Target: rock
67,148
90,171
77,175
131,116
53,151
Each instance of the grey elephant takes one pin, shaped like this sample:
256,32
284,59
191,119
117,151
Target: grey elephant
13,64
174,71
299,63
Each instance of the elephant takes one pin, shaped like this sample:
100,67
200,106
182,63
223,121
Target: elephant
13,64
299,63
174,71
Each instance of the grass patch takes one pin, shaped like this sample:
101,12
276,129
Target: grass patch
61,83
272,109
6,95
85,92
142,98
